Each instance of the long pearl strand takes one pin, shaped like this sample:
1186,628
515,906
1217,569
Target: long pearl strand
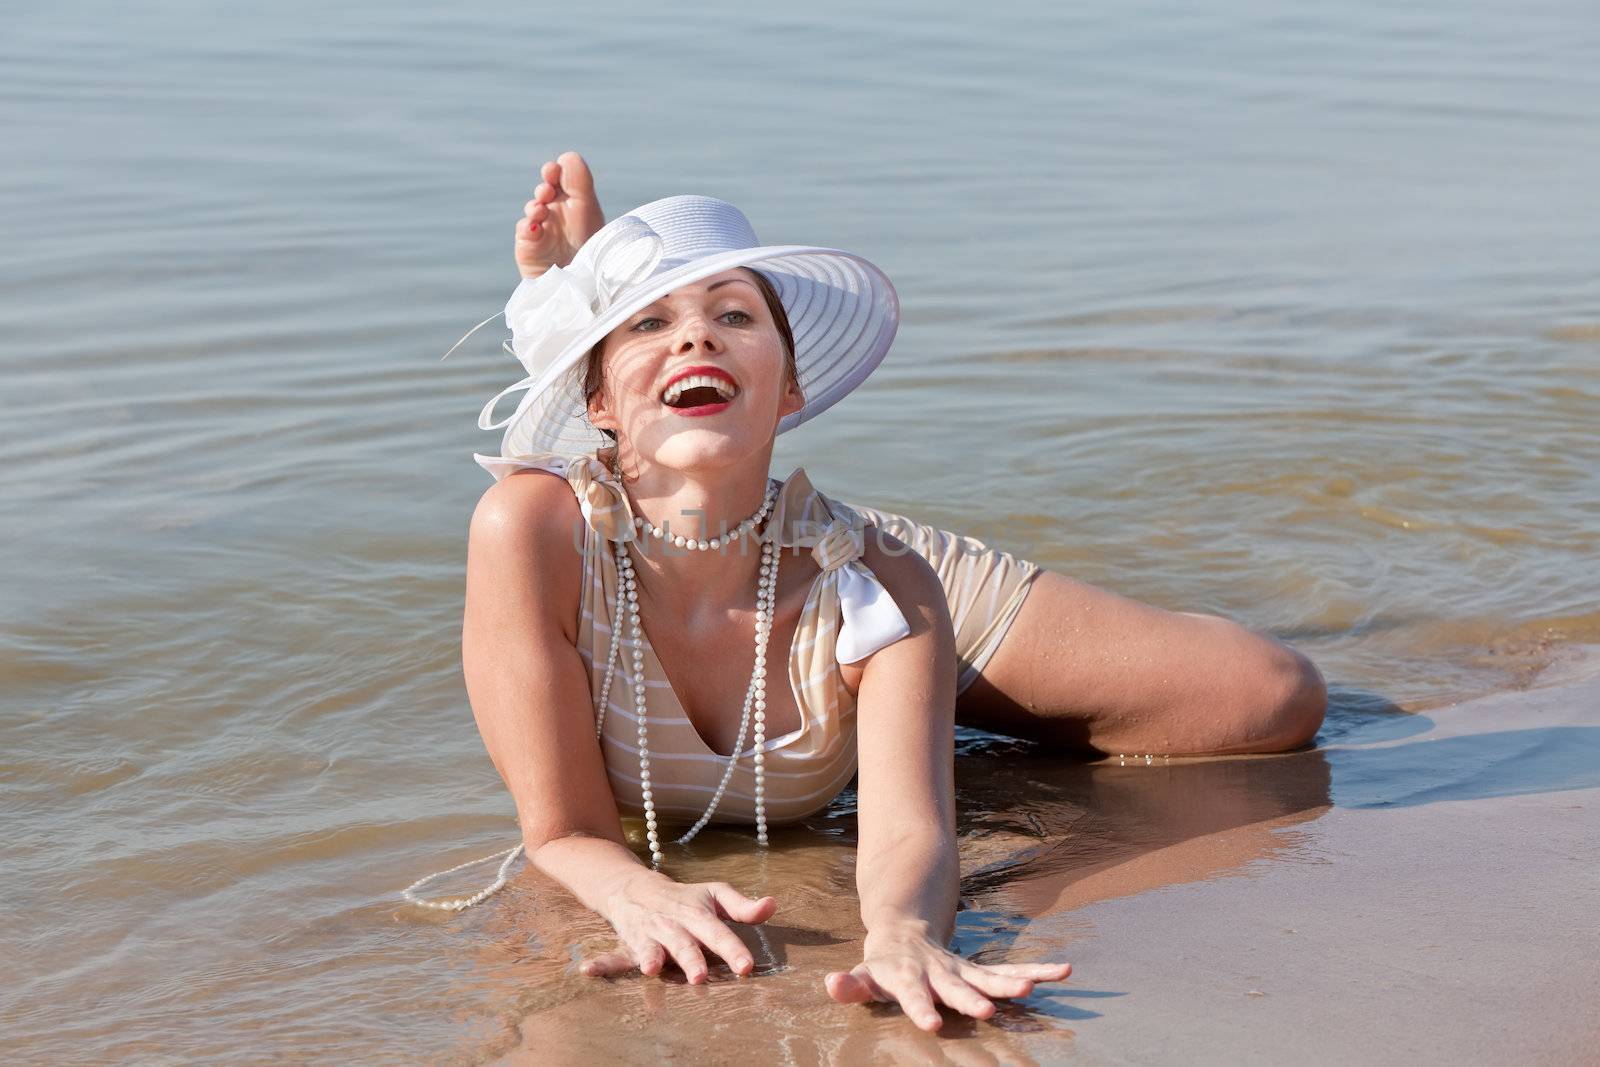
755,706
755,697
463,903
755,703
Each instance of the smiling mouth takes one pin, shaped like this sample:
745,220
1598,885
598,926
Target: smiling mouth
698,391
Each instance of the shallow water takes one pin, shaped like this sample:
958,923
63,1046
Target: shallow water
1289,316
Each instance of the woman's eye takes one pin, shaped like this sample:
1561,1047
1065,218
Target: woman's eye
653,323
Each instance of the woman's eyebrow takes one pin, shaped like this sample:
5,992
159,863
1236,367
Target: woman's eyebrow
714,285
729,281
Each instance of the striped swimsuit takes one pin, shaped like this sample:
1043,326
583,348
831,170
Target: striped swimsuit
847,616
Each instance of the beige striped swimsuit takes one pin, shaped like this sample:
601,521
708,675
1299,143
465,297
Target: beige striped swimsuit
847,615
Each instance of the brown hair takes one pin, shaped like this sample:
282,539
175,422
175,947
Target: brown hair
592,372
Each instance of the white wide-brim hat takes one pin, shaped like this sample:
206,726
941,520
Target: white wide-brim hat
843,312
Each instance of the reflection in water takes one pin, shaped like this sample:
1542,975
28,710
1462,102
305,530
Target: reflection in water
1038,836
1097,822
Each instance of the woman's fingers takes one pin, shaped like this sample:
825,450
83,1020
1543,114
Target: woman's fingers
725,943
910,990
682,924
990,984
961,985
740,908
955,992
641,953
685,951
853,987
1039,972
607,964
914,993
649,956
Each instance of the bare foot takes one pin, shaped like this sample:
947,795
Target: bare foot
563,214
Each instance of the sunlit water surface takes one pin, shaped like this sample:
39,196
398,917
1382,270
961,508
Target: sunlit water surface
1291,316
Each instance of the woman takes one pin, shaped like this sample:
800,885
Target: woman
669,327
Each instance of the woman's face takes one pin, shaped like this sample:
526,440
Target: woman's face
727,407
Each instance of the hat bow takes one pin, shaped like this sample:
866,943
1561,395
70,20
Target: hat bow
548,313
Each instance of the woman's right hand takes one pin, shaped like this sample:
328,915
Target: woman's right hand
656,918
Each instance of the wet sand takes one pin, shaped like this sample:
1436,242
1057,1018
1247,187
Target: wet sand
1425,889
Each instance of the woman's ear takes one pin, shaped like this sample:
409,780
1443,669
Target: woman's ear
599,416
599,411
793,399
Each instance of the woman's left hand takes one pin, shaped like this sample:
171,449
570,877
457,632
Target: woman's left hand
910,969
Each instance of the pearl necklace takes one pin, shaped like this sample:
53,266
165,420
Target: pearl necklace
661,533
755,700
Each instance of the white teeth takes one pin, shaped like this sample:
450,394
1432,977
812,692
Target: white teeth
677,388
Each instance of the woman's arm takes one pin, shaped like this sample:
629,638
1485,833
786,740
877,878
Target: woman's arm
524,677
906,868
907,873
529,691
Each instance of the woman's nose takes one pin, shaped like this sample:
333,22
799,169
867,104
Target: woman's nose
694,331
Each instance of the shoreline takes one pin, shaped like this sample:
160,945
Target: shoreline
1420,888
1441,910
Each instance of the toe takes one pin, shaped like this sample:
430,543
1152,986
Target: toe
575,176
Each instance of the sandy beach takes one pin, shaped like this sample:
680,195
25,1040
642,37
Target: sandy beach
1423,891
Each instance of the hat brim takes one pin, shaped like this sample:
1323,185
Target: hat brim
843,311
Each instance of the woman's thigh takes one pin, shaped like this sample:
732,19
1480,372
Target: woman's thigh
1092,670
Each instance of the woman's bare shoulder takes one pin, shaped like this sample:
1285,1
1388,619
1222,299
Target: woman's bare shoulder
526,537
530,504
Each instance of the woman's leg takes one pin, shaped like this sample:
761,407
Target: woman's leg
563,214
1097,672
1092,670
